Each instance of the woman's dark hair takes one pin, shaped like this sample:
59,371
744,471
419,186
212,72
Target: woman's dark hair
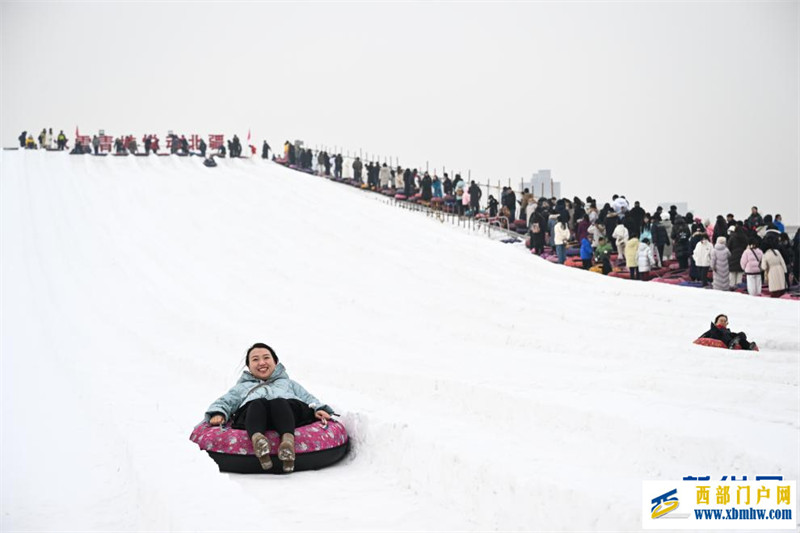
259,345
719,315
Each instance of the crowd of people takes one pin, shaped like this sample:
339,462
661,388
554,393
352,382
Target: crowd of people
733,251
750,250
128,144
46,140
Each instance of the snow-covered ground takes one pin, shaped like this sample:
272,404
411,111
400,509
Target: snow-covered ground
483,388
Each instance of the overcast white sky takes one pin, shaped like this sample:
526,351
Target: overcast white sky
660,101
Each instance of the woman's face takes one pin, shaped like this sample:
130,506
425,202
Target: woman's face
261,363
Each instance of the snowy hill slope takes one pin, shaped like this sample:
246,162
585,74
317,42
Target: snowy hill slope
483,388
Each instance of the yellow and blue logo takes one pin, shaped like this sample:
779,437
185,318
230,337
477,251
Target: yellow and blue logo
664,504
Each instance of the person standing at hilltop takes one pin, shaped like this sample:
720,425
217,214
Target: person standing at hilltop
774,267
357,166
737,244
426,187
754,221
338,163
702,258
720,265
447,185
680,241
384,176
475,194
720,229
751,265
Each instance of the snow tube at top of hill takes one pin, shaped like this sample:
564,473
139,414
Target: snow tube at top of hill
316,447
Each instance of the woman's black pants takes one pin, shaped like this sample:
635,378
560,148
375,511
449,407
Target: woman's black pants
279,414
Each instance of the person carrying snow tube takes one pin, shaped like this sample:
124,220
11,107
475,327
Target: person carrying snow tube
265,398
719,331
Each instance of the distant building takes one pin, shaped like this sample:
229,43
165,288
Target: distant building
542,184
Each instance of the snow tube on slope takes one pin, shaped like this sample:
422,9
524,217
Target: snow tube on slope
315,446
714,343
668,281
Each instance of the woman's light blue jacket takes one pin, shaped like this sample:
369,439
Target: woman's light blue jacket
249,388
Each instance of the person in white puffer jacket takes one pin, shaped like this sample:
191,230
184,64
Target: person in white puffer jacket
645,258
702,258
620,236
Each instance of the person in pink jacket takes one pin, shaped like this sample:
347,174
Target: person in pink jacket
751,266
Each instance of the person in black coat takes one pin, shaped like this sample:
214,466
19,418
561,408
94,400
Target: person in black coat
604,211
202,147
796,255
426,184
337,166
680,239
719,331
537,229
326,161
580,210
720,229
475,194
561,210
408,183
492,205
22,138
510,201
374,179
673,213
695,274
265,148
447,185
237,146
660,238
635,218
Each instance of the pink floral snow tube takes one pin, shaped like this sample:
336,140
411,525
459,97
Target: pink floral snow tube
310,438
